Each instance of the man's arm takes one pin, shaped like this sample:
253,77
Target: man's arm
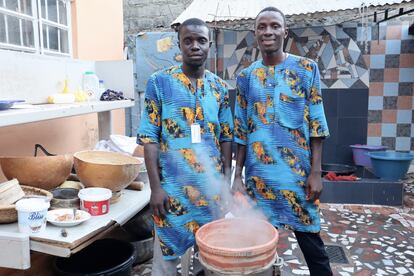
314,182
225,148
240,130
159,199
240,159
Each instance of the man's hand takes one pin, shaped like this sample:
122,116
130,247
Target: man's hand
314,186
159,202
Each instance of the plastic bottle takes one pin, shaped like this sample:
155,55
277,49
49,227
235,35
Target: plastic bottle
90,83
101,88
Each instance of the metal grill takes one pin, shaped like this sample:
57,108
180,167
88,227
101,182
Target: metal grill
336,254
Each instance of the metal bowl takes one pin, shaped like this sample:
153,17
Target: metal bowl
65,198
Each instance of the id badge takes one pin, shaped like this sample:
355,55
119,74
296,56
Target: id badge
195,133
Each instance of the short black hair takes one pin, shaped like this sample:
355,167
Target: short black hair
192,22
271,9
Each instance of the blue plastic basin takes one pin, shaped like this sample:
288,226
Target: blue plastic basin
390,165
6,104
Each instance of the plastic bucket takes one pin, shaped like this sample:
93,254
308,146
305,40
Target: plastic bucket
360,154
95,201
103,257
390,165
31,214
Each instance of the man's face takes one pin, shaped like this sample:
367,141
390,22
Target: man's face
270,31
194,44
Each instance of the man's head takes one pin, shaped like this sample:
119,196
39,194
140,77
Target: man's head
270,30
194,41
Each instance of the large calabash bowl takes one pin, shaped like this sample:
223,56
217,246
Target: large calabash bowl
111,170
44,172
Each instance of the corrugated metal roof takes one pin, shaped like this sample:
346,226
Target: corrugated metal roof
222,10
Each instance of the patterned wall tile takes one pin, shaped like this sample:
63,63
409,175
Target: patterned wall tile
377,61
377,47
390,102
392,61
393,32
406,74
388,142
389,116
407,46
390,88
402,143
376,75
405,89
388,130
374,141
376,89
404,130
375,102
392,47
392,74
374,116
404,102
406,60
374,129
404,116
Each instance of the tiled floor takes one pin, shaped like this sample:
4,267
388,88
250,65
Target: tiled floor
377,240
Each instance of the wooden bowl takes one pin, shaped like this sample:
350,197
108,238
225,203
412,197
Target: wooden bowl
45,172
8,213
110,170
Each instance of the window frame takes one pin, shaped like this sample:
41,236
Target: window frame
39,24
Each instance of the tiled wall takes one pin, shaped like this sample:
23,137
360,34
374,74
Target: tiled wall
336,49
390,115
352,58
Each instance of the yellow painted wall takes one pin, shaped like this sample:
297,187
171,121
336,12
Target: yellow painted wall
97,35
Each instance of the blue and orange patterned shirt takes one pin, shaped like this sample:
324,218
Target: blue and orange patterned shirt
190,173
278,109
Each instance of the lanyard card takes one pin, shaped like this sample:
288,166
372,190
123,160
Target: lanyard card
195,133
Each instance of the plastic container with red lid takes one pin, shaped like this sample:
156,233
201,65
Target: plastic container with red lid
95,200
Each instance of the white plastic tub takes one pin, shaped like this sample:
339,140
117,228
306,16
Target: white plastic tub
31,214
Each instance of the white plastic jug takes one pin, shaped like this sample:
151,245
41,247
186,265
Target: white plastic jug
90,83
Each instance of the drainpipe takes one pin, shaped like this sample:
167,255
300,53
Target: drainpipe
215,30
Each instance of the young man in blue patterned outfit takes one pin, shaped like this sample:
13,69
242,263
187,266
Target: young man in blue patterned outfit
186,130
279,127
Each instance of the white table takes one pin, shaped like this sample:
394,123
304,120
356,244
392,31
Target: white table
78,237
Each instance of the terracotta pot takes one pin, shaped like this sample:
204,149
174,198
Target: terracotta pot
111,170
237,244
45,172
